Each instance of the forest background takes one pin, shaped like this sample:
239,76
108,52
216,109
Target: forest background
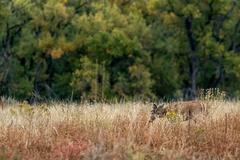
123,49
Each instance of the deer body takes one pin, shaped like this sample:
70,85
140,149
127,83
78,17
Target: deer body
187,110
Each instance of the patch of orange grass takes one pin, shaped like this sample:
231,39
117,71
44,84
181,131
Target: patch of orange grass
66,144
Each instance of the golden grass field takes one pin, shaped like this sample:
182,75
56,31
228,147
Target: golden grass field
116,131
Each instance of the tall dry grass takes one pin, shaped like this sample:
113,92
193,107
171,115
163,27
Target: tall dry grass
116,131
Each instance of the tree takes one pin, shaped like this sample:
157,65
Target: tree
118,48
194,32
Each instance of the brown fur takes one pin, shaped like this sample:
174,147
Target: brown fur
187,109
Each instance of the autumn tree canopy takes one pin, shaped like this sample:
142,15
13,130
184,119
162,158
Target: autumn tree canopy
89,49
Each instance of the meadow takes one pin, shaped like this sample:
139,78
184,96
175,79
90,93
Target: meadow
115,131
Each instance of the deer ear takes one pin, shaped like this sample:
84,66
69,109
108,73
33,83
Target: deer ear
154,106
161,106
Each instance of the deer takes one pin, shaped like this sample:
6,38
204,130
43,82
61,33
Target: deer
187,109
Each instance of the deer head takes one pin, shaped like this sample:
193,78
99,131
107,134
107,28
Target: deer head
157,112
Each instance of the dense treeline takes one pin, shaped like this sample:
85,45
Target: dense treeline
102,49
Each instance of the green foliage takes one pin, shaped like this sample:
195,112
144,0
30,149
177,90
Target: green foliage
85,79
196,37
117,48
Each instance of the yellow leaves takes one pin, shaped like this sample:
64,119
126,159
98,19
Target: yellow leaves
172,115
152,6
99,17
45,42
57,9
82,23
56,53
56,47
90,24
169,18
61,10
64,1
62,46
65,45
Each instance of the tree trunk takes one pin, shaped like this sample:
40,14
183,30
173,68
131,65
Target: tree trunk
192,57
